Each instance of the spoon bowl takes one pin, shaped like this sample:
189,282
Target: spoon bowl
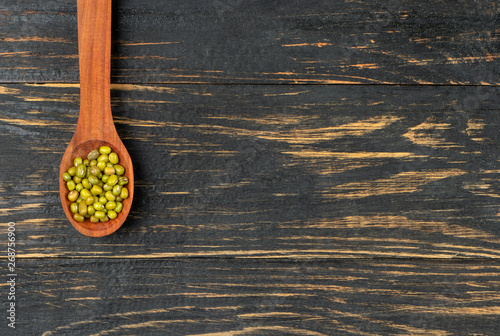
81,149
95,125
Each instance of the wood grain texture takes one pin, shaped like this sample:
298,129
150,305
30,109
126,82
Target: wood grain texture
270,171
256,41
230,297
365,204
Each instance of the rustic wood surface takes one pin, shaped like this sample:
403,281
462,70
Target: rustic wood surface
301,168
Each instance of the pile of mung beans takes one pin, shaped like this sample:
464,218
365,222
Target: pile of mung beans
96,186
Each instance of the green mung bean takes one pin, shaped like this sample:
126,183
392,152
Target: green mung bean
117,189
86,183
85,193
96,190
112,180
101,165
98,206
90,200
93,155
94,180
71,185
78,217
99,214
109,195
104,149
82,208
72,171
73,195
81,170
103,158
96,186
124,193
119,169
110,205
109,170
113,158
118,208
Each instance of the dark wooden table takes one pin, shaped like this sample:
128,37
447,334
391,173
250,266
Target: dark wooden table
302,168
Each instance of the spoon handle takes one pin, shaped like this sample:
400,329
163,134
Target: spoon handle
95,120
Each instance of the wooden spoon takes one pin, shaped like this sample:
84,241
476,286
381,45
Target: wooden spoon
95,125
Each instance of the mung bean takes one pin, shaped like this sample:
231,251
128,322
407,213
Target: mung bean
96,186
93,155
78,217
113,158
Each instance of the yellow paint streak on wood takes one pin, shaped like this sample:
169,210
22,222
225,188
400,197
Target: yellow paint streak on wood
36,193
35,122
414,331
58,85
142,122
149,88
475,128
409,329
59,99
402,222
14,53
314,135
430,134
38,255
483,187
308,135
89,298
34,221
405,182
146,43
297,253
148,57
158,324
356,128
317,44
37,39
23,207
326,162
9,91
170,193
285,94
469,311
469,59
154,311
263,330
144,101
270,119
274,314
313,154
174,152
305,79
369,66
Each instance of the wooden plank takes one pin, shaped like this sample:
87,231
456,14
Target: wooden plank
268,171
257,41
235,297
